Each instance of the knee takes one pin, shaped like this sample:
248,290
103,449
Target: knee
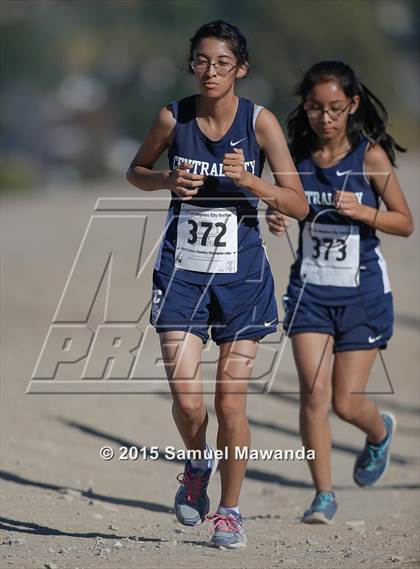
316,399
344,408
190,408
229,411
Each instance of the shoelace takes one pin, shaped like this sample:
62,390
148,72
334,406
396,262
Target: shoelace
323,500
227,523
373,455
192,483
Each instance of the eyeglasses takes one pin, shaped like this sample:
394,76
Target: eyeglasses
317,113
202,66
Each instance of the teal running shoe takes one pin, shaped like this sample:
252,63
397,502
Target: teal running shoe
373,461
322,510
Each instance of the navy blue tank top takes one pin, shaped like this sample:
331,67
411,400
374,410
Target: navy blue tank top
207,234
338,259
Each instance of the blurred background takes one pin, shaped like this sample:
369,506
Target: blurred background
81,81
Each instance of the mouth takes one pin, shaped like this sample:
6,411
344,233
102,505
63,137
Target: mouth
210,85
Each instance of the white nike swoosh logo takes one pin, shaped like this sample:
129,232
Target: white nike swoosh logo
237,142
372,340
266,324
342,173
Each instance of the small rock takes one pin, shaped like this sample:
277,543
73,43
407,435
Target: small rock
66,497
111,526
355,524
97,516
118,544
51,550
70,492
51,566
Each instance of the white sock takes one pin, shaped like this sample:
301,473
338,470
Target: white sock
223,509
203,463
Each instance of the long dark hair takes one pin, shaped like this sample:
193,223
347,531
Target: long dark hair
224,31
369,119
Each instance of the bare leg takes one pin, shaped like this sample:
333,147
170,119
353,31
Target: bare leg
181,352
233,373
313,357
350,376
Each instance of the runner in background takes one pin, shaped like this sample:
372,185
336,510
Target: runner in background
212,269
338,306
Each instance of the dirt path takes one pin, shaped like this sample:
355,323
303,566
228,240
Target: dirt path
64,507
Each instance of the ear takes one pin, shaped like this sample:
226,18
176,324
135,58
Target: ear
355,104
242,70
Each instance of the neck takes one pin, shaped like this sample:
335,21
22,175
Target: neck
335,145
216,108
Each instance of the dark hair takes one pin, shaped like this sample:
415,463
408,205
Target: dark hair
223,31
369,119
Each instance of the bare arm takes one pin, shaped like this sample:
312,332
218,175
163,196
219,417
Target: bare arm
140,172
286,195
397,220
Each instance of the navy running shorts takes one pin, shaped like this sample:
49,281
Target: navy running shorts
357,326
235,311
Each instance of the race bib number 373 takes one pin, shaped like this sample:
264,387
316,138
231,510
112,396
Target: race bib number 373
207,239
330,254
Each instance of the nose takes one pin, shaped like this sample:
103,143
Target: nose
211,70
325,117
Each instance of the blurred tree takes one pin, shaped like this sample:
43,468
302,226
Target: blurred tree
108,67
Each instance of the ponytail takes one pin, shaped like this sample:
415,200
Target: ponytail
373,118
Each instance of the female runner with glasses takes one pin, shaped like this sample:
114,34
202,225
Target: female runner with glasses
212,269
339,300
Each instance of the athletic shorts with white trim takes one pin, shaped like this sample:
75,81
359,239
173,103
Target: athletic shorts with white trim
235,311
357,326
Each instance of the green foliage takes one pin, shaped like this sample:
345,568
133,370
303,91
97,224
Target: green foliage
122,44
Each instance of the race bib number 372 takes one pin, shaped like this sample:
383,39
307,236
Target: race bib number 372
330,254
207,239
